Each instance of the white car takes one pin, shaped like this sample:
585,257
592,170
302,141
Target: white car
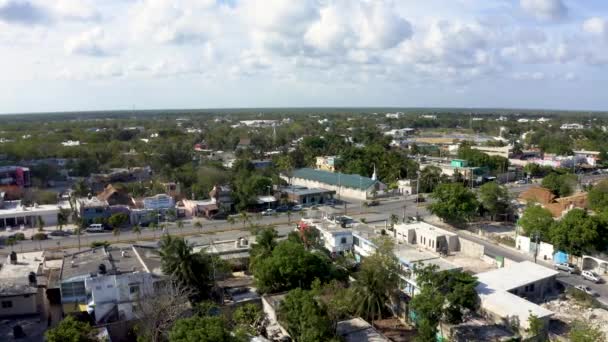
591,276
586,289
269,212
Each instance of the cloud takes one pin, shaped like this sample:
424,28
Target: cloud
79,10
22,12
547,10
88,43
529,76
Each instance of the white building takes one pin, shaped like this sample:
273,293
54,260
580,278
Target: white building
107,283
396,115
400,132
335,239
427,236
502,292
159,202
19,293
13,214
568,126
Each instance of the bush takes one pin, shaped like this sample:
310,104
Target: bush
582,298
96,244
39,236
19,236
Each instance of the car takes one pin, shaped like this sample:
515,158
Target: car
566,267
373,203
282,209
268,212
587,290
59,233
297,208
521,181
95,228
591,276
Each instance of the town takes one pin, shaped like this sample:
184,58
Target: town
328,225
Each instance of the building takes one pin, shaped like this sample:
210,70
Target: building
557,206
14,214
19,292
407,186
203,208
399,133
15,175
304,196
105,282
114,196
569,126
507,294
327,163
335,239
92,209
244,143
427,236
98,181
159,202
222,194
396,115
504,151
358,330
345,185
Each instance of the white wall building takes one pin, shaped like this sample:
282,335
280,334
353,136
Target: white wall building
335,238
13,214
159,202
427,236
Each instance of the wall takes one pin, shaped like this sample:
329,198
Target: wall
545,250
471,249
340,191
22,305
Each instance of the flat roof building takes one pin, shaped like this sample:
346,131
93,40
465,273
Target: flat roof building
347,185
19,292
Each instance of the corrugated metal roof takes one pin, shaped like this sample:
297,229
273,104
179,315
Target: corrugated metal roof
335,178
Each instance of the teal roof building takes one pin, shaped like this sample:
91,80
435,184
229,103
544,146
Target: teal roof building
335,178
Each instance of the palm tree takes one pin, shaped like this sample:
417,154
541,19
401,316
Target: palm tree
289,216
231,220
40,224
154,228
394,219
190,269
199,225
180,226
116,232
137,230
246,218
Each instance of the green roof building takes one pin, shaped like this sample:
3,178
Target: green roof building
346,185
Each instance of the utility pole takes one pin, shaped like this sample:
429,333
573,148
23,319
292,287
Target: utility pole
536,238
417,193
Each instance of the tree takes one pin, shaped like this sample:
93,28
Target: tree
70,330
137,230
394,219
577,233
40,224
156,312
444,297
560,185
63,216
116,233
430,177
265,242
536,220
192,270
248,317
304,318
536,328
598,196
289,266
494,199
81,189
180,225
376,281
453,203
118,220
581,331
199,225
203,329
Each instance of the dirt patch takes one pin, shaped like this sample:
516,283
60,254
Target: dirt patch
568,310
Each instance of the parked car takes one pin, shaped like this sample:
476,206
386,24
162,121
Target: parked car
59,233
591,276
268,212
373,203
587,290
282,209
95,228
297,208
521,181
566,267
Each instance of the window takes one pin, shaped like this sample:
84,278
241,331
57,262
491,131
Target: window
110,286
98,287
355,241
7,304
343,240
133,289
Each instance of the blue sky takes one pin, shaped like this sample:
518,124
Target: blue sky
123,54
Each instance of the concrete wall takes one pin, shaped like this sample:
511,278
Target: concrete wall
340,191
21,305
471,249
545,250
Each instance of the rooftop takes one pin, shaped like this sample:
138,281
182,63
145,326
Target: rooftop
302,191
335,178
86,263
515,276
420,225
14,277
358,330
414,256
149,258
10,208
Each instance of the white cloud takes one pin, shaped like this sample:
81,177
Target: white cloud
89,43
545,9
82,10
529,76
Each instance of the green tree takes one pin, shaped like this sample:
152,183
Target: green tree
494,199
577,233
454,203
536,220
199,225
536,328
40,224
63,216
70,330
118,220
304,318
560,185
430,177
137,230
248,317
200,329
289,266
598,196
192,270
376,281
116,233
265,242
581,331
444,297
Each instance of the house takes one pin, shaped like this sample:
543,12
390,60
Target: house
396,115
222,194
92,209
327,163
114,196
244,143
15,175
569,126
347,185
358,330
399,133
98,181
407,186
19,291
427,236
305,196
335,239
204,208
504,151
508,294
14,214
105,282
159,202
557,206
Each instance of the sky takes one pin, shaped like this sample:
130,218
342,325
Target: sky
76,55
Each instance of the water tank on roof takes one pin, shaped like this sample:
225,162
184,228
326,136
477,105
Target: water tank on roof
32,278
13,257
102,269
